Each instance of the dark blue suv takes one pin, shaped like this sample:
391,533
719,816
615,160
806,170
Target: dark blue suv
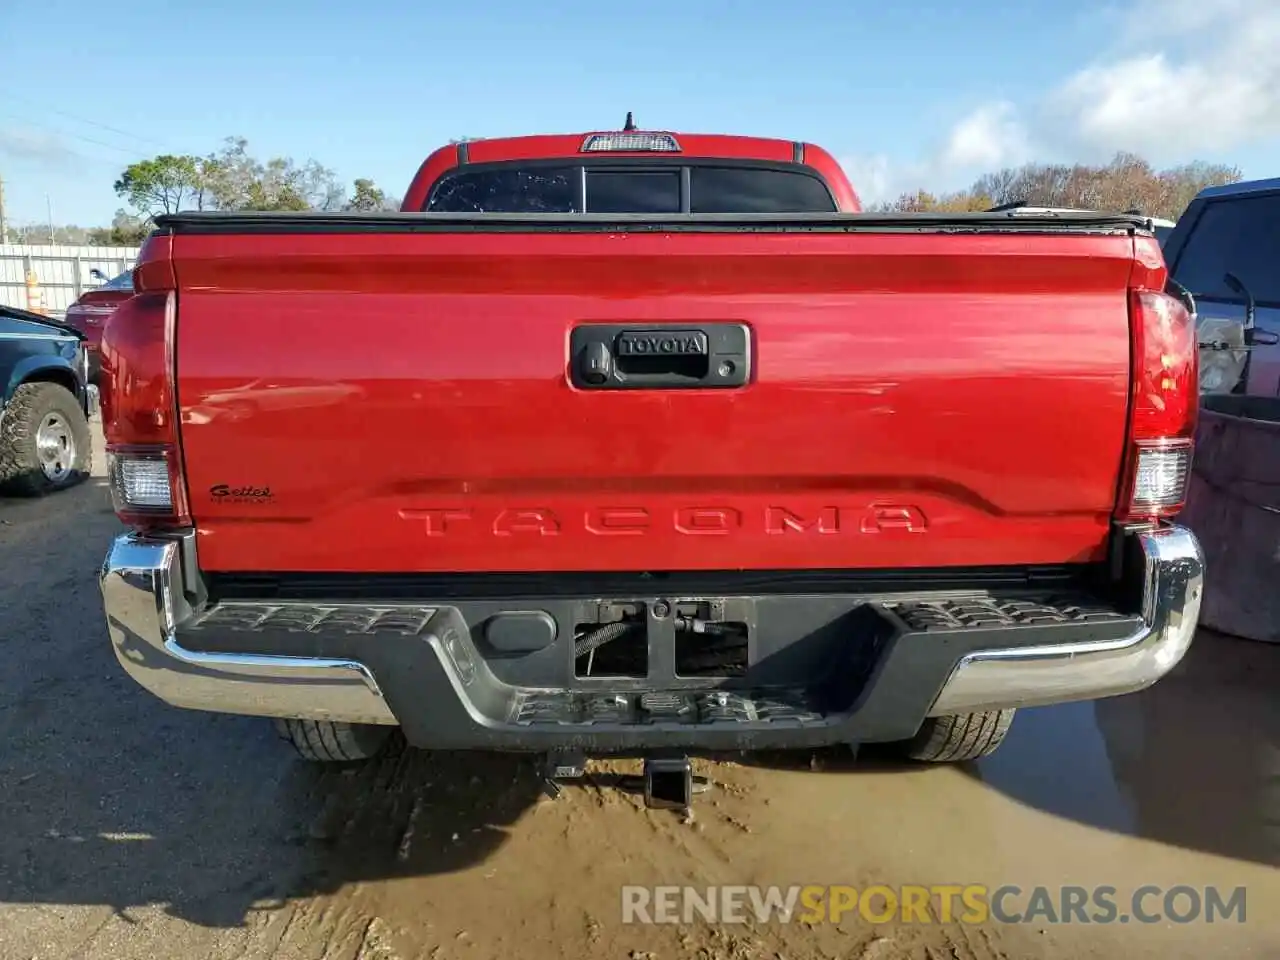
44,405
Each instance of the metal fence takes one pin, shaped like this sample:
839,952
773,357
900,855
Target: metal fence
62,271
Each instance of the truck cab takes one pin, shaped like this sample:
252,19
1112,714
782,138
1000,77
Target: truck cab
1225,250
631,171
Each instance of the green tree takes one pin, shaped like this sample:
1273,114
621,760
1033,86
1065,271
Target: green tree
240,181
164,184
366,196
233,178
126,230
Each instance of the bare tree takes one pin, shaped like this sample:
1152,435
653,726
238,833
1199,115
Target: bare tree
1126,182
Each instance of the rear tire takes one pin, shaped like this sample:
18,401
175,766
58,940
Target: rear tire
965,736
329,741
44,441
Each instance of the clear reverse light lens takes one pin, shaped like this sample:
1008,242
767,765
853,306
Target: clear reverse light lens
141,482
643,142
1160,480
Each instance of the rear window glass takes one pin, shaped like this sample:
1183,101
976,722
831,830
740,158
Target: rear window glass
556,189
509,190
730,190
618,191
1240,236
123,281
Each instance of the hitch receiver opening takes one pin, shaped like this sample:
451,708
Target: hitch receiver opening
668,783
558,767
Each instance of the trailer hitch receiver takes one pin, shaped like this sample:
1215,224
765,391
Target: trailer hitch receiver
668,783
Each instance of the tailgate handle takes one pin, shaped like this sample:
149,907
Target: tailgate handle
612,357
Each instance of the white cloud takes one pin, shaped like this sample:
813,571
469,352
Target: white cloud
1185,19
1185,79
22,144
988,138
875,177
1214,85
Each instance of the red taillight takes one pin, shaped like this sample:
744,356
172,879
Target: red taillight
140,413
1164,406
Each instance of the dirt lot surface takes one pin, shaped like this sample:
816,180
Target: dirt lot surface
132,830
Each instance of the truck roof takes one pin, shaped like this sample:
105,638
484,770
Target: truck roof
1242,188
697,146
544,146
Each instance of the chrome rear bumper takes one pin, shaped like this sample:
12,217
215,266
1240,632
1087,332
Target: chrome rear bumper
143,592
1172,587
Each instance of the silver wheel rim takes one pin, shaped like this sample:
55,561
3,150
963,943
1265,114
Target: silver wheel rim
56,448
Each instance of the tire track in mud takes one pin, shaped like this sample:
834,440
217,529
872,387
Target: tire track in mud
700,852
595,838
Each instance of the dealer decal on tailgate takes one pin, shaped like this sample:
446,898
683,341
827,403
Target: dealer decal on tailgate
225,493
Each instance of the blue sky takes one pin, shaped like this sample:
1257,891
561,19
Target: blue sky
924,93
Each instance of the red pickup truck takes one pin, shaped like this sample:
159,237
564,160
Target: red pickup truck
648,444
89,313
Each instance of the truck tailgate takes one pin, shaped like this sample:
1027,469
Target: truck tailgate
356,400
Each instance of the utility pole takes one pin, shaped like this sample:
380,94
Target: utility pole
48,206
4,224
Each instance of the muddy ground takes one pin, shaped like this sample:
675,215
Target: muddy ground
130,829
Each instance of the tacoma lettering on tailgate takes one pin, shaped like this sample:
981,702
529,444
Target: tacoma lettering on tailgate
879,517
